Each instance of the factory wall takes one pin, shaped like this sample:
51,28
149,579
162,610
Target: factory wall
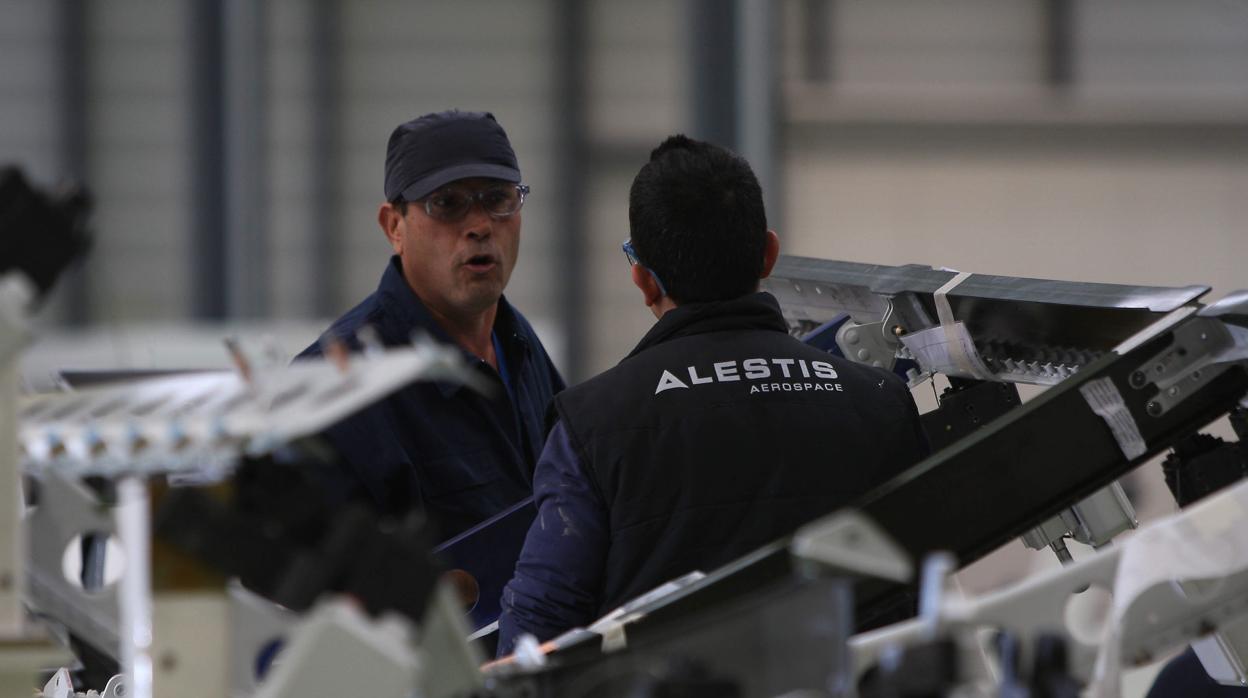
923,137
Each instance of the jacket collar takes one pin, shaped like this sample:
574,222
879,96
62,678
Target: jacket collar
411,315
754,311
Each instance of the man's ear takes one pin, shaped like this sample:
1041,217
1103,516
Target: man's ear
391,222
644,280
771,252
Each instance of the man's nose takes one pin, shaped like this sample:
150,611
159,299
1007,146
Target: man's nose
477,223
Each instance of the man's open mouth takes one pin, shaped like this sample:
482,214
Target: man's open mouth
480,262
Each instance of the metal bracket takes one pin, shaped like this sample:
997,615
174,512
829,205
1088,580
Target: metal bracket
1093,521
868,343
258,630
67,509
849,541
1185,366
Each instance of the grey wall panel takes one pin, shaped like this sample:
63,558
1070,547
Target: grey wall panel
403,59
27,87
295,150
137,155
638,77
1151,207
638,91
292,153
27,57
619,317
1140,45
898,42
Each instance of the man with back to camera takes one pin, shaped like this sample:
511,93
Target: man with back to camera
718,434
452,216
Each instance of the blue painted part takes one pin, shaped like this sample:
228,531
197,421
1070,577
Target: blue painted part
824,336
488,552
264,659
903,367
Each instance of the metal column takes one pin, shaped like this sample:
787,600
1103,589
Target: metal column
712,42
208,277
72,136
326,193
1059,32
758,101
246,223
571,168
817,54
735,86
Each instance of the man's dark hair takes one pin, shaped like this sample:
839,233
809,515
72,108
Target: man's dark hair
696,217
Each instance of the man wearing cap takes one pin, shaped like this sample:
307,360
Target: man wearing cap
452,215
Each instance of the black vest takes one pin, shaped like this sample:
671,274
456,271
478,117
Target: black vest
720,433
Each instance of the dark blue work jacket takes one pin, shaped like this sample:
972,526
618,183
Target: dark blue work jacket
446,449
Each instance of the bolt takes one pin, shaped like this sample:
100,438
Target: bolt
797,288
851,336
898,330
863,354
1195,375
1154,408
1174,390
1160,368
1138,379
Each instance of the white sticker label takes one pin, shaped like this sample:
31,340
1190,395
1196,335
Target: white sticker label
1105,400
948,350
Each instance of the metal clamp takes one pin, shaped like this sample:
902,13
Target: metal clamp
1185,366
870,343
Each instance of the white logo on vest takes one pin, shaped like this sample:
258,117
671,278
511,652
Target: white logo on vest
758,370
667,381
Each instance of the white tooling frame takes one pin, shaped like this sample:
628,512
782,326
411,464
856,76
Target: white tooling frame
196,425
1174,580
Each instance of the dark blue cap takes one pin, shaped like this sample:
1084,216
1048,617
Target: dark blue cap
432,150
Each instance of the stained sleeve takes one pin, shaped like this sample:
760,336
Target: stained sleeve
558,578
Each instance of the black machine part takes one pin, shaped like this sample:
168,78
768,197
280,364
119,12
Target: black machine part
931,670
283,541
967,405
1050,673
788,635
991,486
40,234
675,677
1202,464
926,670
